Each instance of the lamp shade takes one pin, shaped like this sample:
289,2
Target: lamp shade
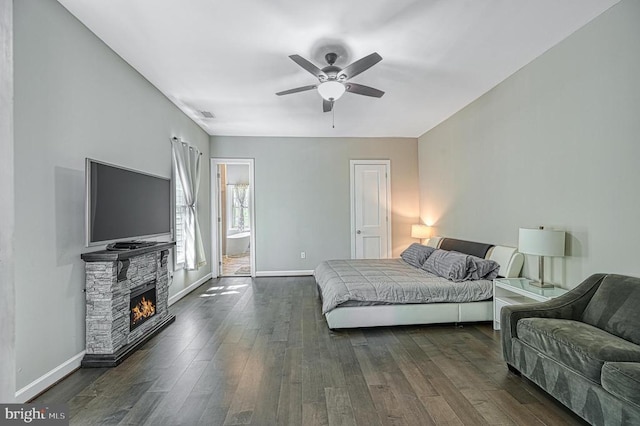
420,231
541,242
331,90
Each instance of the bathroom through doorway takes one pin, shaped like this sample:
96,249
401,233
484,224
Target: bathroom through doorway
233,217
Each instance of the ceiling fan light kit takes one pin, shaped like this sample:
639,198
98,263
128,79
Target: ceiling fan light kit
333,79
331,90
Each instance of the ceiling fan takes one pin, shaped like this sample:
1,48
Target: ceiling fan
334,81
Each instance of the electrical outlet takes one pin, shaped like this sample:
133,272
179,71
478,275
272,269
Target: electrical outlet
303,255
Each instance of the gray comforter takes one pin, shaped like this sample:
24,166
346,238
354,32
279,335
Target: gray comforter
390,281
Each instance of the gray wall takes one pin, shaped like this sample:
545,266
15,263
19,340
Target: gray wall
75,98
556,144
302,194
7,291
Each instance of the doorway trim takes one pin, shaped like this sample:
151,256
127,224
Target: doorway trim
352,184
216,240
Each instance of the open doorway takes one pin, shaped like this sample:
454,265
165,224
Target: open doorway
233,217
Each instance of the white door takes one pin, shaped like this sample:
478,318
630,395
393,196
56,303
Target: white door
370,209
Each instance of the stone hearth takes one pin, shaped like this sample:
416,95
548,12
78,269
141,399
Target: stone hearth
111,277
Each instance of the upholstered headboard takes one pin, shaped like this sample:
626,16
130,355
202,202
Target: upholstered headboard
509,259
433,242
467,247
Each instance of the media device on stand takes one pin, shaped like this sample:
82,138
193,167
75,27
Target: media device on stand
130,245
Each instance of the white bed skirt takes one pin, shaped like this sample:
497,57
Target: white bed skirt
387,315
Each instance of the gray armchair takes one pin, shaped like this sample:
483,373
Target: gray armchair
583,348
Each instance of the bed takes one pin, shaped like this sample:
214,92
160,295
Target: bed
404,294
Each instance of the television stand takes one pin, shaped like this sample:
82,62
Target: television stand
130,245
114,282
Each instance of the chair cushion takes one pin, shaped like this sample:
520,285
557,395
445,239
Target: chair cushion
581,347
614,307
622,379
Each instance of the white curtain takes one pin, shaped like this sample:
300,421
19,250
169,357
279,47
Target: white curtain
187,165
241,192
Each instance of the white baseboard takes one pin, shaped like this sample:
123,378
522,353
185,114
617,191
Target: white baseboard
283,273
49,379
182,293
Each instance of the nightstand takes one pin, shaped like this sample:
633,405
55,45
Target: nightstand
516,291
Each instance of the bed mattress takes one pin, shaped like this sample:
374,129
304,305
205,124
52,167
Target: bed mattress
390,281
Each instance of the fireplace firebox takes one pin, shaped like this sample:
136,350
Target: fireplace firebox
142,305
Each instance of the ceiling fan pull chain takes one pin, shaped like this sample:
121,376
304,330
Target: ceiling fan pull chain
333,116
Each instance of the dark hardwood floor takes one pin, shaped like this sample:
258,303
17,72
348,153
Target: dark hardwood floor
259,352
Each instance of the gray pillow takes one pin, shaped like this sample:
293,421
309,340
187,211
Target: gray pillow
459,267
484,269
416,254
448,264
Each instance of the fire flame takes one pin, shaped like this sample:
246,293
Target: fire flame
144,309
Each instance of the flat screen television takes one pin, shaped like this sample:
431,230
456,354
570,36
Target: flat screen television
125,204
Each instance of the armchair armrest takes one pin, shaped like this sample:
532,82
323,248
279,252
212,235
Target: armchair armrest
568,306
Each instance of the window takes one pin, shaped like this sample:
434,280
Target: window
239,211
180,233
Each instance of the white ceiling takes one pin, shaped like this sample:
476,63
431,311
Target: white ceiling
231,57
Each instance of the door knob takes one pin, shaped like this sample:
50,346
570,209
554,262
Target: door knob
358,232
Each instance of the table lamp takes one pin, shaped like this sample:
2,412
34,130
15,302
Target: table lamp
420,231
541,242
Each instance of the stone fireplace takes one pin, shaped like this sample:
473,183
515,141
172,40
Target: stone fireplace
127,295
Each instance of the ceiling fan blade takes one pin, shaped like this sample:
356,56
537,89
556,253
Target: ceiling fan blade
360,89
327,105
296,90
308,66
359,66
